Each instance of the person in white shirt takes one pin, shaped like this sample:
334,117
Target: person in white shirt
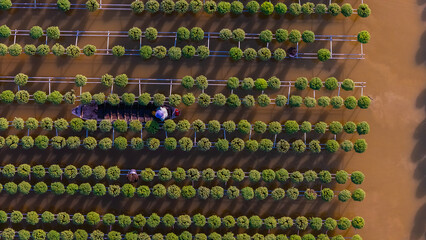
161,113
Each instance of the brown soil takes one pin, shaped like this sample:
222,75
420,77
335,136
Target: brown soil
394,69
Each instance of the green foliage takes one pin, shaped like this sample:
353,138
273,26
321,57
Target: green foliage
237,7
89,49
252,7
63,5
15,49
344,195
360,145
364,102
152,6
363,10
210,7
223,7
324,54
267,8
235,53
364,37
219,99
58,49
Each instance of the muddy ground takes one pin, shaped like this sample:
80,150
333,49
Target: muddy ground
394,70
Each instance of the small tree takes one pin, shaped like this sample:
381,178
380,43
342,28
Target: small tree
152,6
63,5
363,10
363,37
324,54
360,145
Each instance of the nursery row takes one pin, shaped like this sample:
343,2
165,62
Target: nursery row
186,192
188,82
80,234
170,126
203,99
182,221
195,34
185,144
182,34
159,52
209,7
164,174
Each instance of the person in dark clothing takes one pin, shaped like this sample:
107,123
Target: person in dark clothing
292,52
132,176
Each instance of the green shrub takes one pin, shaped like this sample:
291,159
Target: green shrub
152,6
18,123
42,142
58,49
203,52
6,5
364,102
252,7
196,34
89,50
204,144
250,54
181,6
341,176
43,49
175,53
363,37
324,54
346,9
118,51
357,177
334,9
235,53
308,8
92,5
73,51
219,99
23,187
128,98
346,145
237,7
3,49
264,54
292,193
63,5
210,7
144,99
358,195
233,101
135,33
335,127
363,10
223,7
336,102
331,83
15,49
350,102
327,194
7,96
298,146
12,141
249,101
360,145
267,8
30,49
22,97
188,51
332,146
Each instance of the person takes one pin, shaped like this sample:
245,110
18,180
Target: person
292,52
176,113
161,113
132,176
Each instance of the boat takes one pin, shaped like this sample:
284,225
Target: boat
121,111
